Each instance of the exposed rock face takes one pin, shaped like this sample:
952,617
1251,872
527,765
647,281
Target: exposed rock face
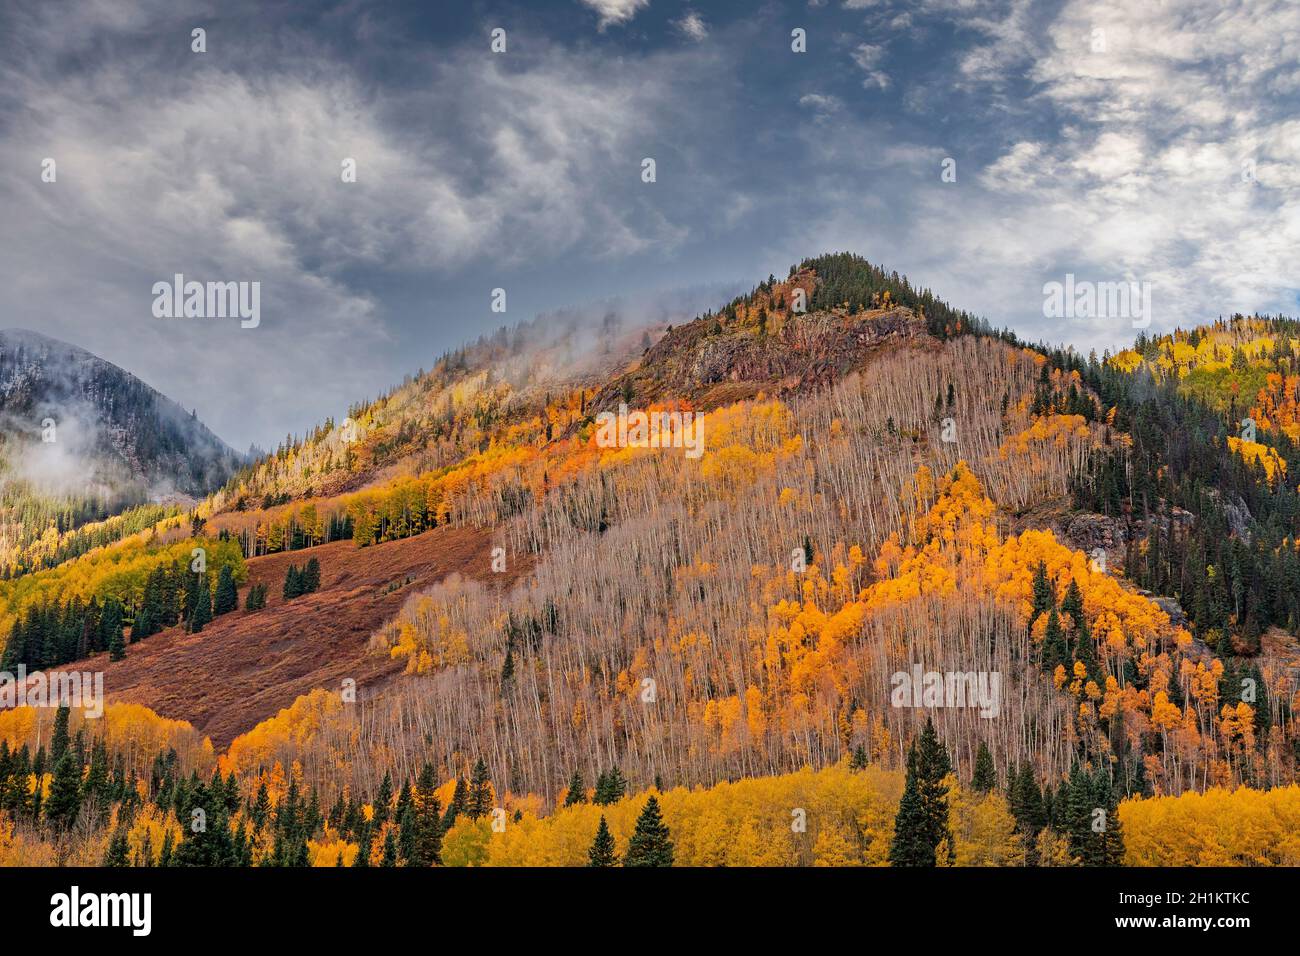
1238,514
1171,607
711,362
1090,531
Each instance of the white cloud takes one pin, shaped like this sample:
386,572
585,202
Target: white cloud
820,104
868,56
692,25
615,11
1133,169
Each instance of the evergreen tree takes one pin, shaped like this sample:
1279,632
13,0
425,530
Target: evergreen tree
602,848
459,801
292,583
480,791
383,800
116,646
64,803
226,597
922,820
201,610
110,628
119,850
1072,604
310,580
256,598
650,844
425,839
1054,649
985,778
611,786
577,792
1044,594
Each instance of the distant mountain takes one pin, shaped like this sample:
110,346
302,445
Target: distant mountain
81,438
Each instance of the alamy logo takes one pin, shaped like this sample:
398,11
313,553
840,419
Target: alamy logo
82,690
1073,299
920,688
179,299
74,908
658,429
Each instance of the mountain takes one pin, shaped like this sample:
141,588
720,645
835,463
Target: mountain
82,439
1081,572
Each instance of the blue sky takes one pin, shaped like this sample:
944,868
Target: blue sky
1105,139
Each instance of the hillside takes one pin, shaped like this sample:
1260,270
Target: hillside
888,487
81,440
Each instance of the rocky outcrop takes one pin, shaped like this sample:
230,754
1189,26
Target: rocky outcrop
1088,532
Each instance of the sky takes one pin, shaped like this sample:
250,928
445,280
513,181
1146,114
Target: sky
1152,142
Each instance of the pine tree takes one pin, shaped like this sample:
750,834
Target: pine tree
116,646
577,792
64,803
110,630
310,580
1079,816
1072,604
922,821
1044,594
479,804
859,760
201,610
425,838
1054,649
1027,802
59,742
144,623
611,786
292,583
602,848
119,850
383,799
226,598
650,844
250,598
985,778
459,801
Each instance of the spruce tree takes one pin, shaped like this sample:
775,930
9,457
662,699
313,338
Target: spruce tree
64,802
985,778
426,821
480,791
119,850
651,843
1054,649
610,787
1072,603
577,792
390,850
310,580
383,799
201,610
602,848
116,646
859,760
1044,594
226,597
922,821
59,742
